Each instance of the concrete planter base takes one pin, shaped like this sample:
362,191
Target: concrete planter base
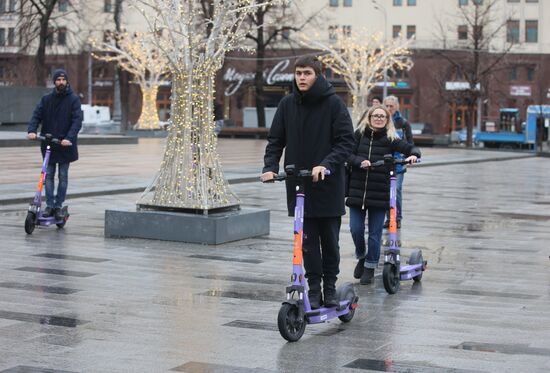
214,229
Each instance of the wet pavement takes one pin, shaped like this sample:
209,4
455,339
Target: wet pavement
74,301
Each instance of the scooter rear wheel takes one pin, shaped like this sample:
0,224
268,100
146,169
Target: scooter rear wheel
390,277
61,225
416,258
346,292
30,222
291,326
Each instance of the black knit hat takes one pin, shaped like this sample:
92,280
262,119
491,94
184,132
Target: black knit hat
59,73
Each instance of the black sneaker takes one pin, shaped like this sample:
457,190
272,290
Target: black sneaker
330,298
386,224
59,214
398,224
359,268
315,299
48,211
368,275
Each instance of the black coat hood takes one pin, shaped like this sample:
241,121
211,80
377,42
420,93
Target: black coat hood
318,91
314,129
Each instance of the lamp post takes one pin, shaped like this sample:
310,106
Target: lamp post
385,70
90,83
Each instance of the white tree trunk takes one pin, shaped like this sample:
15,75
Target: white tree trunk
149,117
190,175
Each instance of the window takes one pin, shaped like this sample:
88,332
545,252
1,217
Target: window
530,74
2,6
107,36
411,31
396,31
12,6
107,6
513,73
531,31
463,32
462,2
100,72
62,36
285,33
11,36
513,1
512,31
477,2
63,5
411,2
458,75
401,74
346,30
478,32
2,36
397,2
164,100
49,37
333,3
348,3
333,32
531,1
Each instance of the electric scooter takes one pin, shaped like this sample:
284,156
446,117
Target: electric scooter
296,312
34,214
394,272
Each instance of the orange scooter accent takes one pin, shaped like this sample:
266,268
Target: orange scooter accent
393,220
298,254
41,181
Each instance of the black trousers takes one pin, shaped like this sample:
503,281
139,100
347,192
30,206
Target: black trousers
321,250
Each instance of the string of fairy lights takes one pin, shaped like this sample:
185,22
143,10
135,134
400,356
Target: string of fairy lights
138,54
360,57
190,175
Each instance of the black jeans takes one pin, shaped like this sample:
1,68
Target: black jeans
321,250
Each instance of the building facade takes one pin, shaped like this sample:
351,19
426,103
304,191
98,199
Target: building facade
516,45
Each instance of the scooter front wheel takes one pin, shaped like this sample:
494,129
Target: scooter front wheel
30,222
390,277
291,325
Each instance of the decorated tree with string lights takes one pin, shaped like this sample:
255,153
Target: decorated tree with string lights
139,55
190,175
362,59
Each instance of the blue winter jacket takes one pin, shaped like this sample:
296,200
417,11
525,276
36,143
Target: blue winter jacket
60,115
404,131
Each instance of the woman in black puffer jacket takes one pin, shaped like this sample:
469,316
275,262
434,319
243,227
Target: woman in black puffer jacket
369,188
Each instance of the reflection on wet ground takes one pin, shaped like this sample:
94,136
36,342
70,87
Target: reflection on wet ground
73,301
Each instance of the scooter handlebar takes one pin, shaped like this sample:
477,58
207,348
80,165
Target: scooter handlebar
48,139
382,162
53,140
281,176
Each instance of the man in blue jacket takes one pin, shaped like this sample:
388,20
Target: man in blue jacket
404,131
60,115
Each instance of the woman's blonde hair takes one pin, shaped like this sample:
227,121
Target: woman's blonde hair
365,122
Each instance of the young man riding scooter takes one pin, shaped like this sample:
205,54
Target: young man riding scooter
313,126
60,114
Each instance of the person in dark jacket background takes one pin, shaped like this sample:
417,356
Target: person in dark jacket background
404,131
60,115
369,188
314,128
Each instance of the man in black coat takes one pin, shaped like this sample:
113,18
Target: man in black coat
314,127
60,114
